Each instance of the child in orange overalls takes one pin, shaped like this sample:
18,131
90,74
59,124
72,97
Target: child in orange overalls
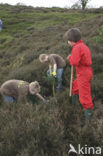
81,59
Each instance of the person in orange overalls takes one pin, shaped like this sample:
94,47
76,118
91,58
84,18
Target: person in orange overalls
81,59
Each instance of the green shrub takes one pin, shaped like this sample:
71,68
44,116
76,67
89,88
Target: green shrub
99,38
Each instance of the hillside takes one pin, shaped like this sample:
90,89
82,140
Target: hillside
47,129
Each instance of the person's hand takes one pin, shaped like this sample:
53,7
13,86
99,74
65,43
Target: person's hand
68,56
54,74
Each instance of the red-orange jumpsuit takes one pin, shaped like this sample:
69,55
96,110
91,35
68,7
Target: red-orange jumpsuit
81,58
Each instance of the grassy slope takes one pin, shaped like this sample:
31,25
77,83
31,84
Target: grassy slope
28,32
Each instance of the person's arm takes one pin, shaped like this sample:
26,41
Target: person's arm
40,97
37,94
53,63
54,67
75,57
54,70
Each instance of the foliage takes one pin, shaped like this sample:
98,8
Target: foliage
84,3
99,38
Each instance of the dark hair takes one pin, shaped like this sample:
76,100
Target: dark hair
73,35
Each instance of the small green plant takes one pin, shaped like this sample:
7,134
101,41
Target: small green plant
18,62
99,38
52,81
